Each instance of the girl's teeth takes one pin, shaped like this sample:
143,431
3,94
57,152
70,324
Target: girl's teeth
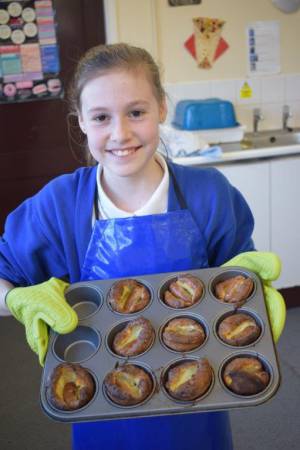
122,152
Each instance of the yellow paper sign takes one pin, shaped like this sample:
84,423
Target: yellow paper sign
246,91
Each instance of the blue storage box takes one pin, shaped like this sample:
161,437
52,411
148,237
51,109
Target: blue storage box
204,114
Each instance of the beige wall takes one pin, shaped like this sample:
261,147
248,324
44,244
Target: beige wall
162,30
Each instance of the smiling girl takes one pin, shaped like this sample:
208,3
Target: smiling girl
133,213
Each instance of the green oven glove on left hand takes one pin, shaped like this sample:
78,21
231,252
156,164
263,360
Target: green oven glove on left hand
267,266
38,307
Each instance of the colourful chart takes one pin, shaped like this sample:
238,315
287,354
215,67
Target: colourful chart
29,57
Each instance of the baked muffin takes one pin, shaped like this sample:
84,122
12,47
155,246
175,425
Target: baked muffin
245,376
239,329
134,339
128,385
183,334
128,296
189,380
235,289
70,387
184,291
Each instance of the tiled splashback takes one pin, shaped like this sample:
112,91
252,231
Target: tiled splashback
269,93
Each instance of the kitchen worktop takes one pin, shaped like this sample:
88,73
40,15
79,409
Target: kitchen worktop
232,152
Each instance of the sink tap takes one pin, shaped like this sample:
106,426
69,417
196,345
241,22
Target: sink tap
257,117
286,114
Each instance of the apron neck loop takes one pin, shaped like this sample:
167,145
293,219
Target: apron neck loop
178,193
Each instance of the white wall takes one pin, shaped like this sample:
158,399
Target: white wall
162,30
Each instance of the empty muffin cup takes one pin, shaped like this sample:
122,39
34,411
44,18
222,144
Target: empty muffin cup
234,287
85,300
245,374
181,292
77,346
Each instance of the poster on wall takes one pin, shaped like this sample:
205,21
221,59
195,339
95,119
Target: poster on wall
263,47
206,44
29,57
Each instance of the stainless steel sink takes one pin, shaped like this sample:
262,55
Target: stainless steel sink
265,139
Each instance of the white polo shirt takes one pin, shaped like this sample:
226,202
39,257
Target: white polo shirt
157,203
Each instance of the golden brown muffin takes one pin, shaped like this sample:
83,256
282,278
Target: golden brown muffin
239,329
183,334
70,387
235,289
135,338
245,376
189,380
128,385
128,296
184,291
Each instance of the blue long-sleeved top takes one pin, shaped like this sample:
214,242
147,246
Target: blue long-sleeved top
48,234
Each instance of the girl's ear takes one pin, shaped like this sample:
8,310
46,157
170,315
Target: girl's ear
81,124
163,111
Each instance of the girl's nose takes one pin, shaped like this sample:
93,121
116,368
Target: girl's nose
120,131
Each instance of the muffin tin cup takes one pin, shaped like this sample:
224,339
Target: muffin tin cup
164,379
87,405
118,327
88,346
245,354
183,315
241,310
154,387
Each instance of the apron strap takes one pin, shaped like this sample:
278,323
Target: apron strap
178,193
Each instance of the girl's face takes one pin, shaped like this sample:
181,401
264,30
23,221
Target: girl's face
120,116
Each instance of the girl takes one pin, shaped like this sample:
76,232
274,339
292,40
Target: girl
101,221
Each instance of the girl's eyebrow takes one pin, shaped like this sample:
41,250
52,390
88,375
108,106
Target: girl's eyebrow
129,105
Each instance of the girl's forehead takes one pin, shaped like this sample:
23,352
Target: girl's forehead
118,84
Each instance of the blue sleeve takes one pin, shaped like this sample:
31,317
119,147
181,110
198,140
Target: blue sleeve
31,251
47,235
229,225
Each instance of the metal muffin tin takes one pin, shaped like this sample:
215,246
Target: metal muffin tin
89,345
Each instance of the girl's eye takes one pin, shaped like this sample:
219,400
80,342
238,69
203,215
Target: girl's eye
136,113
101,118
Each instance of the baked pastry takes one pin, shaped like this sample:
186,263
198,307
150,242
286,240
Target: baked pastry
184,291
245,376
189,380
128,385
128,296
235,289
135,338
70,387
183,334
239,329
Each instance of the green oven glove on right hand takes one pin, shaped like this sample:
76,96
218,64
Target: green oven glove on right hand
267,266
38,307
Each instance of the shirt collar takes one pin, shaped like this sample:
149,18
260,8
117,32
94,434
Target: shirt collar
157,203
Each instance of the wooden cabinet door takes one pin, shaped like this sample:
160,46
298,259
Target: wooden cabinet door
34,138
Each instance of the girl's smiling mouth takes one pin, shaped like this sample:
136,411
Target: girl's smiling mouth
123,151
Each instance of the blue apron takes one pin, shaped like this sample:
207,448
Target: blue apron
136,246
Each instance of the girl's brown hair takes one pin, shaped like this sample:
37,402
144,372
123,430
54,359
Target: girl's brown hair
103,58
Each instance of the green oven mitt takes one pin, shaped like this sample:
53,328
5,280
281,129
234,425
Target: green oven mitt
267,266
38,307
